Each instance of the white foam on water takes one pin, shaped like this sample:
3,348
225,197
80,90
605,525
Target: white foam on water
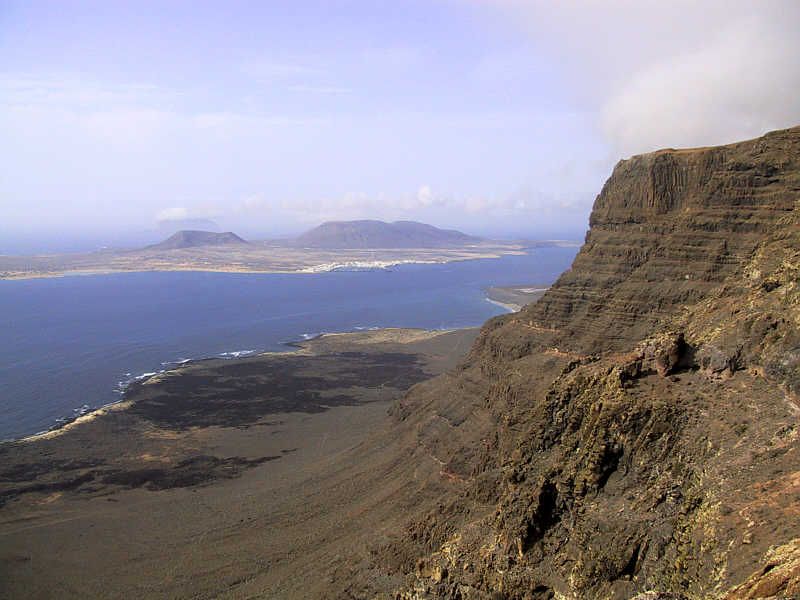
236,353
311,336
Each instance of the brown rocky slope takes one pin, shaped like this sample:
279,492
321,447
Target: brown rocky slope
636,429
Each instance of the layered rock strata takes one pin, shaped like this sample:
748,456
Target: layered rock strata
636,429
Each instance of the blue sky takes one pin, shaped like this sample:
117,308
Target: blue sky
499,118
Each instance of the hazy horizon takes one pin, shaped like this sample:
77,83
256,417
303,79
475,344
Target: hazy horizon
66,242
498,118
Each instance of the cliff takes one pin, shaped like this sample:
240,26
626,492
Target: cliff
636,429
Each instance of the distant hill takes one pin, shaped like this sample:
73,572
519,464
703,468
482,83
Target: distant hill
194,239
379,234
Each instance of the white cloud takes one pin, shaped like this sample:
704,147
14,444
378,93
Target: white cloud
180,213
425,195
677,73
123,153
424,204
742,83
175,213
252,203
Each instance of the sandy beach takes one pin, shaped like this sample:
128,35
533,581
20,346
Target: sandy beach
513,298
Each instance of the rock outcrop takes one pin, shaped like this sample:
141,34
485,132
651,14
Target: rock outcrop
635,431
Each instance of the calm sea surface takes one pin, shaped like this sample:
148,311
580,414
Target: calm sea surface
71,341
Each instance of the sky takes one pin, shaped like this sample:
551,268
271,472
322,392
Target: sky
503,118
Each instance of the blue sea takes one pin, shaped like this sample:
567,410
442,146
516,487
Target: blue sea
72,342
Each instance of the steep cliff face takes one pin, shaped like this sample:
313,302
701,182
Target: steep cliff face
637,428
666,229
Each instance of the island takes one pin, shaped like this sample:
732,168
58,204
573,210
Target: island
331,246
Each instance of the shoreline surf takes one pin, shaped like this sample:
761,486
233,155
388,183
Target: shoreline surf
86,413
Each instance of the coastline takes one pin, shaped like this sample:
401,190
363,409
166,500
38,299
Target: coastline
222,430
510,307
113,391
515,298
219,449
297,346
137,262
304,346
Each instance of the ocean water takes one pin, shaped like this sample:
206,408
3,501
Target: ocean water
70,342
